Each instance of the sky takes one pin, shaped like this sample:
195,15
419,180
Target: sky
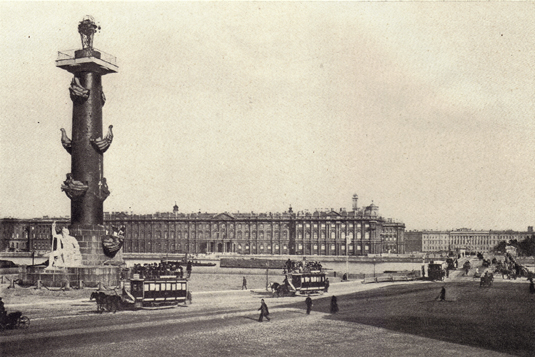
423,108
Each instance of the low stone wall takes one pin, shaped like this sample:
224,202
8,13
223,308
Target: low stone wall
86,276
251,263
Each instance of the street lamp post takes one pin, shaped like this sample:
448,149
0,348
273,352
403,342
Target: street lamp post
347,258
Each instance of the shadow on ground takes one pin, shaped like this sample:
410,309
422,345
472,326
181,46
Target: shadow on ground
500,318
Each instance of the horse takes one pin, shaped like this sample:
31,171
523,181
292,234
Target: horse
100,298
283,290
113,303
274,287
486,280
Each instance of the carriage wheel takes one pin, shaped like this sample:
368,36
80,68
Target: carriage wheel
24,322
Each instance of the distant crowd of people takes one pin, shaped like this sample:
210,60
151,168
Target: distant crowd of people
155,270
302,267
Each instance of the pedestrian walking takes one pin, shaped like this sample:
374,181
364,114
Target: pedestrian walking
334,305
264,312
531,287
244,284
308,302
327,284
442,295
189,268
189,297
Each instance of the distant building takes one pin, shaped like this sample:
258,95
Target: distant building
435,241
461,241
360,231
24,235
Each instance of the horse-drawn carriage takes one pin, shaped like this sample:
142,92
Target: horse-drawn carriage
14,320
435,270
486,280
452,263
466,267
166,290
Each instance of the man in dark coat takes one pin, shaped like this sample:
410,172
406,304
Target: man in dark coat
334,305
264,312
308,301
244,284
442,295
2,309
188,269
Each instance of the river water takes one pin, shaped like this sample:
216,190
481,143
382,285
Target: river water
339,267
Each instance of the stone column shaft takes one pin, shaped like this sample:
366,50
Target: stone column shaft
86,162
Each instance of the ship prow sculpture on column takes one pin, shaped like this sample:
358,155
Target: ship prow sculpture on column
85,251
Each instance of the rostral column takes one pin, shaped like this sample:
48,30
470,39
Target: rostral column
86,185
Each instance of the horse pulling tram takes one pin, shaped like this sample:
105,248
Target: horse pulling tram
167,290
302,283
162,291
302,279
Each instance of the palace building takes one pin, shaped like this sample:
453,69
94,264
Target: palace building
359,231
462,241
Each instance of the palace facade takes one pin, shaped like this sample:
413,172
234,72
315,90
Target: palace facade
464,240
359,231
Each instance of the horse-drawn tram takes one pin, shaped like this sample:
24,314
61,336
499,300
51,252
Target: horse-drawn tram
166,290
307,283
161,291
301,278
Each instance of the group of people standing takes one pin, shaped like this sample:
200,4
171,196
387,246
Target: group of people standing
155,270
264,311
306,267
